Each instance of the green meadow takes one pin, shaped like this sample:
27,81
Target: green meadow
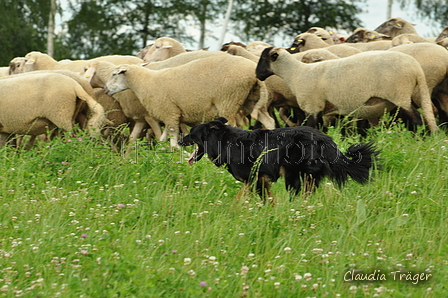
78,220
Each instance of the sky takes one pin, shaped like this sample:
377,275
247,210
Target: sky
377,14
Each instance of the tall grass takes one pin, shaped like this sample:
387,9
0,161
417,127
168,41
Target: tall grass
78,220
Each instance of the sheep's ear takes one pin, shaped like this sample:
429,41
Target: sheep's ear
316,59
121,70
398,25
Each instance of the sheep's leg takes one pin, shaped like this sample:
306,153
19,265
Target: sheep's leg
3,139
135,134
137,130
164,136
183,129
155,125
30,142
241,119
173,128
266,119
314,120
413,115
285,117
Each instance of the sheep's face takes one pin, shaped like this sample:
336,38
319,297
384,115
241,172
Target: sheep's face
443,43
90,75
442,35
392,27
358,36
30,62
162,49
263,69
116,81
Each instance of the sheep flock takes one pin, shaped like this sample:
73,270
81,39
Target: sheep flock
165,88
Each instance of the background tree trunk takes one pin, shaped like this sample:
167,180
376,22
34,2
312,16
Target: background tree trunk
389,9
50,36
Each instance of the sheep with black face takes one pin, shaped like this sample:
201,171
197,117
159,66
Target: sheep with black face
334,87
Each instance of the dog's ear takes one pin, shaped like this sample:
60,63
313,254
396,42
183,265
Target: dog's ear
222,119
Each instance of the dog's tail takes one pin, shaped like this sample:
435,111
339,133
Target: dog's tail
356,163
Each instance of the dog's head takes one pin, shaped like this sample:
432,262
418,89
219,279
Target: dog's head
200,135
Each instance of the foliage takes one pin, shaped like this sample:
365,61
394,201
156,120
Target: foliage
436,11
22,27
265,20
78,220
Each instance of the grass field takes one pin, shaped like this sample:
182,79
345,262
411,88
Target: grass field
78,220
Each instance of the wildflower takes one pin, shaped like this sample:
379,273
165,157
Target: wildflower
287,249
191,273
121,205
84,235
203,284
187,261
84,252
174,251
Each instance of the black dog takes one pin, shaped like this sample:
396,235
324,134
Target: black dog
299,154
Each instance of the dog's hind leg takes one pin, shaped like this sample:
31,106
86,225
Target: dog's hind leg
292,181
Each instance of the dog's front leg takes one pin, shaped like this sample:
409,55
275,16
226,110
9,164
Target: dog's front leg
264,189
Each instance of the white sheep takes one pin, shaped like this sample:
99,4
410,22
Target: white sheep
163,48
443,43
407,38
434,62
98,72
364,85
257,111
16,65
256,47
4,71
396,26
432,58
323,34
192,93
41,61
30,104
365,35
279,94
182,59
308,41
442,38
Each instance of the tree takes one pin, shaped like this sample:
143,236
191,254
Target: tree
51,27
103,27
22,28
435,10
266,19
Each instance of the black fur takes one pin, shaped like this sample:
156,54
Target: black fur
298,153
